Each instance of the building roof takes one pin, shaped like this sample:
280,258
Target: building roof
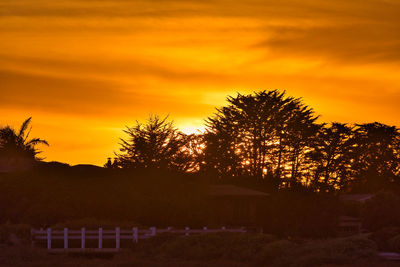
232,190
356,197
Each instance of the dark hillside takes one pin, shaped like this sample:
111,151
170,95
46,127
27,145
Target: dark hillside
51,193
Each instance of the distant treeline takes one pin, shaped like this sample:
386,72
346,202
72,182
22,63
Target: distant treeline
273,141
266,139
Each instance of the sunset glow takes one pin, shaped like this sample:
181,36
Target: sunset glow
84,69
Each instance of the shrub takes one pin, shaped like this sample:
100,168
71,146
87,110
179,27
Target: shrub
354,247
21,231
153,246
394,243
333,251
258,249
301,214
231,246
383,210
21,256
382,237
274,250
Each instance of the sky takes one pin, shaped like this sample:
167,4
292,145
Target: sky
84,69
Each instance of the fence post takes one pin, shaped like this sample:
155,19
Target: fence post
65,238
153,231
135,234
117,237
100,237
187,231
48,238
83,236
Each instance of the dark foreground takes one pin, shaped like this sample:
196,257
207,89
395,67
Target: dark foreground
212,250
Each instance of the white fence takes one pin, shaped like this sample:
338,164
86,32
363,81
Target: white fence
117,234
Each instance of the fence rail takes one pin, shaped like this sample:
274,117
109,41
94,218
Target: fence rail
117,234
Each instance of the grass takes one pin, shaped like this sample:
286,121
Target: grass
338,251
222,249
36,257
261,250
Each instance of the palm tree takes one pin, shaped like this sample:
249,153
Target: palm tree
15,144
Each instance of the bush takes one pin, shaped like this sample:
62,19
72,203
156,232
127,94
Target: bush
394,243
382,237
354,247
230,246
274,250
383,210
299,214
334,251
258,249
21,256
21,231
153,246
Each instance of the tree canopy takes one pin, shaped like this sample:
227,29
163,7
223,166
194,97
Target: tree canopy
261,135
267,138
155,144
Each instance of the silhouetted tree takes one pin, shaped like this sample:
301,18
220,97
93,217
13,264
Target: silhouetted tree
383,210
376,156
195,145
156,144
17,145
110,164
331,157
260,135
298,135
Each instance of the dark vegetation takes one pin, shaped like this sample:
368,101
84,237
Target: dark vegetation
265,141
271,141
46,196
260,249
212,250
17,145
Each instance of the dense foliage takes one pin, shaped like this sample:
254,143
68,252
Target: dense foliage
274,141
270,137
155,145
267,141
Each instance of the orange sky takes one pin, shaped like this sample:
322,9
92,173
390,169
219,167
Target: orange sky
86,68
